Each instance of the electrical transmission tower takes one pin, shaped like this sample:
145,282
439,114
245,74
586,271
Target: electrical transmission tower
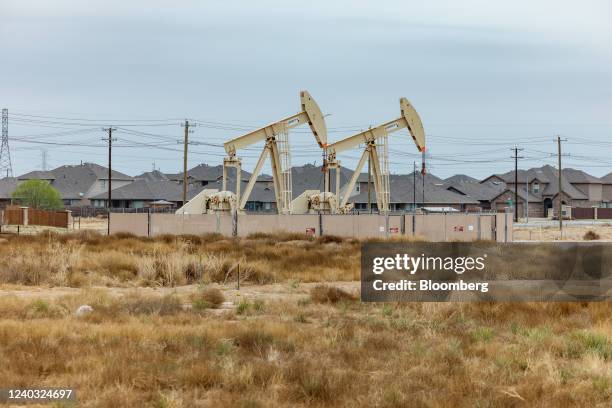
43,159
6,169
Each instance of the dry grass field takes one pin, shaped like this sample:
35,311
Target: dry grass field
570,233
169,329
87,258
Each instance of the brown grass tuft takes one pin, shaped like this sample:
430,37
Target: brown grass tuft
207,299
591,235
165,305
326,239
330,294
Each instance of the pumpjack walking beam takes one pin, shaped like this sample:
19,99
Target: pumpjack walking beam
310,113
409,119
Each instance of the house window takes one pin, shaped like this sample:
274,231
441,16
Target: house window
357,188
535,188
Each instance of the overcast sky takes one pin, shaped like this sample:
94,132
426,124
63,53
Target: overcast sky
483,75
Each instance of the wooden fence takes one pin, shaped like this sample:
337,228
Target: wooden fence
604,213
15,215
583,213
591,213
48,218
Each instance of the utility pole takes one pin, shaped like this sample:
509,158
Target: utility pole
369,181
560,204
414,172
423,173
527,198
516,157
186,143
423,186
5,154
110,174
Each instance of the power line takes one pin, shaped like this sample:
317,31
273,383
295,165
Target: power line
72,127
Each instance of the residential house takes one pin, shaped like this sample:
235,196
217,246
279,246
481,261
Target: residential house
78,184
145,192
7,186
606,190
484,193
405,195
578,189
203,174
527,202
589,185
141,193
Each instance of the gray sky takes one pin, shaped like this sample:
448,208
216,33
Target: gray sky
483,75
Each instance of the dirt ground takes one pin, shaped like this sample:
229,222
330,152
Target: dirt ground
277,291
570,233
90,223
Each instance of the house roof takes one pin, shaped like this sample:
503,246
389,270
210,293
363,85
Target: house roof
429,178
524,176
261,192
174,176
478,191
7,186
552,188
204,172
460,178
402,191
154,175
100,172
74,181
311,177
146,190
579,177
607,179
192,191
523,195
37,174
548,175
